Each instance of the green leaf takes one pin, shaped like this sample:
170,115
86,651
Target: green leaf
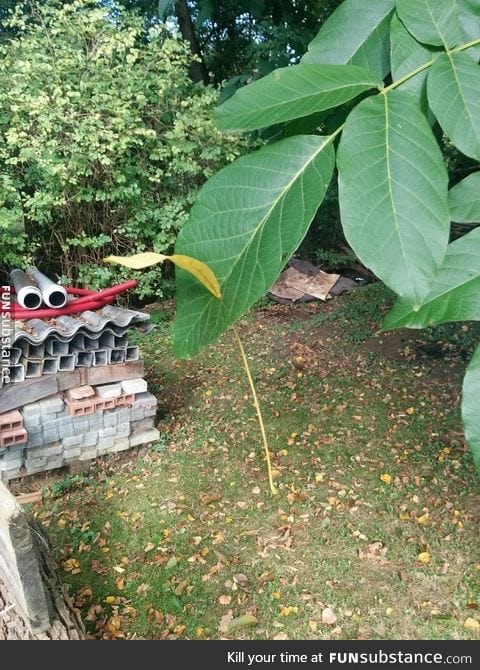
453,87
406,54
393,192
471,406
357,32
464,200
434,22
469,11
293,92
246,222
454,295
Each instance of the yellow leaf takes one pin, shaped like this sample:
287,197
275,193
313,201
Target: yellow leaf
404,516
410,410
422,520
471,624
242,622
137,261
424,557
199,631
225,600
386,478
199,270
110,600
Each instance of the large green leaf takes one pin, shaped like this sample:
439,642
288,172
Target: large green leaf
406,55
393,192
453,89
246,222
434,22
471,406
469,11
464,200
357,32
455,292
293,92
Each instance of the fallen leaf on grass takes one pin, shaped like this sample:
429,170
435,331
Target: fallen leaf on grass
142,589
328,616
424,557
375,551
386,478
209,498
225,621
242,621
280,636
225,600
471,624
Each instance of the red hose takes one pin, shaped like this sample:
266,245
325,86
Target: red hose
89,300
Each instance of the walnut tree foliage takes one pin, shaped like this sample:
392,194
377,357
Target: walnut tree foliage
104,138
388,84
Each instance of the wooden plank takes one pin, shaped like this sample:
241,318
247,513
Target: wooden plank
28,498
13,396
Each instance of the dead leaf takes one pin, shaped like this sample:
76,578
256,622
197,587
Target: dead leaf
225,600
242,622
471,624
328,616
225,621
280,636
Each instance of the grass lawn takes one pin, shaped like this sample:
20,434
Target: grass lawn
374,533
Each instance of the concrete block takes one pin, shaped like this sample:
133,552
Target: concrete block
123,414
72,441
71,455
133,386
137,413
81,425
35,463
106,432
80,393
147,400
31,410
143,424
121,444
122,430
88,454
108,391
13,453
144,437
90,439
51,405
34,438
54,462
32,421
47,452
110,419
50,434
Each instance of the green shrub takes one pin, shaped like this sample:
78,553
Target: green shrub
104,140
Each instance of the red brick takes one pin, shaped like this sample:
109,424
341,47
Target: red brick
10,438
11,421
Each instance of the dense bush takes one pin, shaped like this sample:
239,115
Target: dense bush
104,139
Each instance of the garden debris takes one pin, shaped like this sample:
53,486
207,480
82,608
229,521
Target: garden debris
302,281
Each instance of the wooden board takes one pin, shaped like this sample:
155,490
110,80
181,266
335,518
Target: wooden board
13,396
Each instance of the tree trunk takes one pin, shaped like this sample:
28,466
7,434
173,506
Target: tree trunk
66,623
198,70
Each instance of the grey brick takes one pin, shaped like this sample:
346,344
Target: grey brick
35,462
137,413
110,418
122,430
90,439
145,400
151,412
72,454
34,439
105,443
14,453
88,454
50,434
122,444
54,462
134,386
30,422
72,441
81,425
51,450
31,410
109,391
106,432
7,466
52,405
144,437
123,415
143,424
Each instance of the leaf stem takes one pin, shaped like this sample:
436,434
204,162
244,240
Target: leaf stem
273,488
411,74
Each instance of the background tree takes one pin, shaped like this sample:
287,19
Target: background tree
104,139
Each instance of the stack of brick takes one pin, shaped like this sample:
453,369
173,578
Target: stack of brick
79,425
73,415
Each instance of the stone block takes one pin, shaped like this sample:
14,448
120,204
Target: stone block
107,391
121,444
72,441
81,425
134,386
80,393
51,434
106,432
51,405
122,430
144,437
